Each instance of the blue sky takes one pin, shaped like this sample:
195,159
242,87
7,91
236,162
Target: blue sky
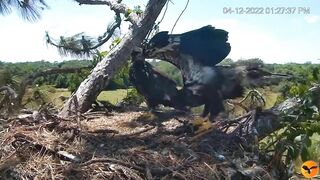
275,38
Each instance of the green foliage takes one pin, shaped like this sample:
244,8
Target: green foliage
136,9
7,78
39,96
133,98
128,12
121,79
74,83
299,126
114,43
250,62
227,61
98,57
314,149
12,72
315,73
303,75
169,70
61,81
302,123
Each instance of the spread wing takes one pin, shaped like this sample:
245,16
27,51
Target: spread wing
207,44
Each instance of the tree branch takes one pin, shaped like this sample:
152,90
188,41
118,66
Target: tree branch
92,2
8,101
115,6
9,90
72,46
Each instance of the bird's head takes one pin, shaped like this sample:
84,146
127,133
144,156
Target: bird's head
159,40
157,44
137,54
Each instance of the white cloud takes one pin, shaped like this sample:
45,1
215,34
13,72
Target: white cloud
312,19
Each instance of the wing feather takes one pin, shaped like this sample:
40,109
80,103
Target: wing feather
207,44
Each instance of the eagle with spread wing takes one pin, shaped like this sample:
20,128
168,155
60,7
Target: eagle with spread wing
196,53
207,45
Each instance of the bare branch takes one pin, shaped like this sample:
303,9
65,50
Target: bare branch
115,6
92,2
8,101
10,91
111,160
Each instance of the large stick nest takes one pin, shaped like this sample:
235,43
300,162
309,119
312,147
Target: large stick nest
131,145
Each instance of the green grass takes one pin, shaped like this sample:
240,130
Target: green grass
270,96
56,96
314,149
113,96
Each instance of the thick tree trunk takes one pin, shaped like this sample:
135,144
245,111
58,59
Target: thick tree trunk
90,88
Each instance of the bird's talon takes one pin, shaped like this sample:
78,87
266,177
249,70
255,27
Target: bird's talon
200,125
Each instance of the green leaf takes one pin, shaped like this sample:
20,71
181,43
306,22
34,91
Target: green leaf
305,155
308,141
129,11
